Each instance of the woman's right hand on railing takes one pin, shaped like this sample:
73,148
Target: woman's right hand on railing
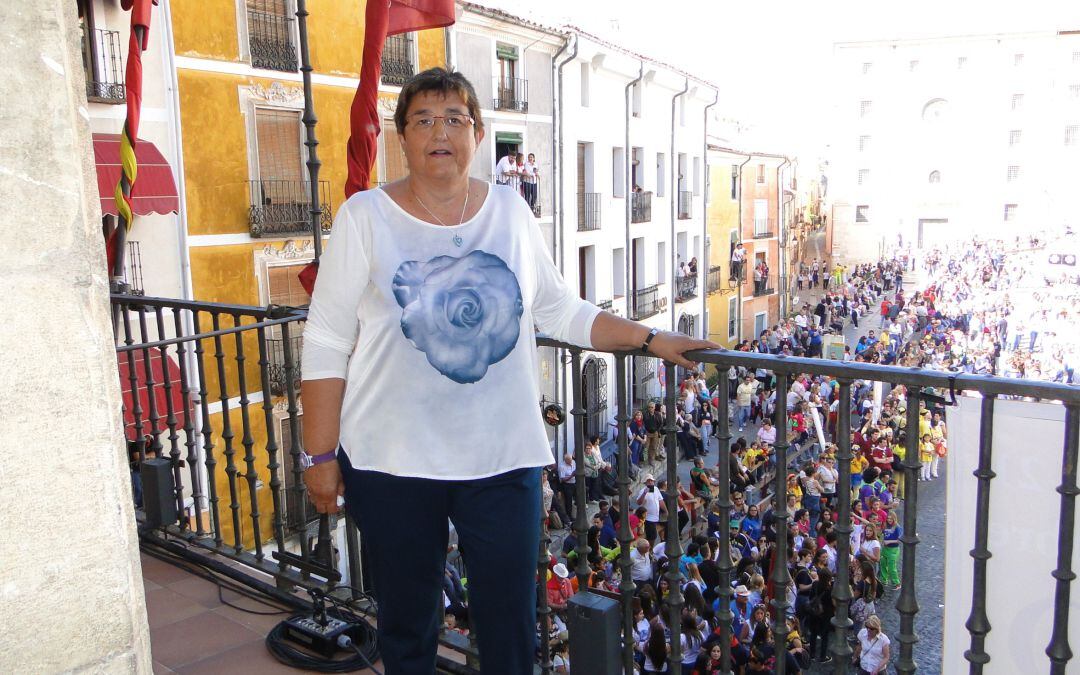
324,486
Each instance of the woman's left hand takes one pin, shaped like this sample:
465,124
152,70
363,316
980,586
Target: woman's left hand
671,346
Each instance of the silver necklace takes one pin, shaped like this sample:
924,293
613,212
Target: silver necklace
457,238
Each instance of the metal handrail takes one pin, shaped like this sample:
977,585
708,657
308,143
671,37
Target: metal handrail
511,94
588,211
641,207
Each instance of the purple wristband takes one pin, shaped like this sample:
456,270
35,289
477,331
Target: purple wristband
324,458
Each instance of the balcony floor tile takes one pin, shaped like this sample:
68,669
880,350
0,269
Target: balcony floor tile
198,638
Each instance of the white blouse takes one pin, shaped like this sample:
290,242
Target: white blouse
432,328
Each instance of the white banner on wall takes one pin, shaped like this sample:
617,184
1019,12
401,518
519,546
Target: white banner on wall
1024,507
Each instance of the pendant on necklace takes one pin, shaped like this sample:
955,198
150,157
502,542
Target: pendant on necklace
458,240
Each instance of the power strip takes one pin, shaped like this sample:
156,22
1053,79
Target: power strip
314,635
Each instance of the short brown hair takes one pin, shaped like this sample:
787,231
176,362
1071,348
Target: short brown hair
442,81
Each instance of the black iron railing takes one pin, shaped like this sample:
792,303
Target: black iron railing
220,416
640,207
686,205
714,280
605,305
588,211
277,368
270,38
397,60
133,277
104,66
685,288
765,285
511,94
278,207
646,302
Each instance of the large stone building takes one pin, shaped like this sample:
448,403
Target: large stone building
946,137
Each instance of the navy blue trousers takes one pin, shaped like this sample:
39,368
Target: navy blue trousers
403,528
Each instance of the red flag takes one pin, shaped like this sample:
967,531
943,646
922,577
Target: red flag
382,18
400,16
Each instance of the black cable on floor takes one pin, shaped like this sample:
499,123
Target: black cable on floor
361,639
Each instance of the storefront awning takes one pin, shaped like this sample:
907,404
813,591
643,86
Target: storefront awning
161,403
155,188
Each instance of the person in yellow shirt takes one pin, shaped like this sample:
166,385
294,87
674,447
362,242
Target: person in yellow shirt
899,450
926,454
858,465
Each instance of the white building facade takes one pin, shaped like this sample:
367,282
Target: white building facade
942,138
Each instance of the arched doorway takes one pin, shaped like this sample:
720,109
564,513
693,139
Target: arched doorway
594,394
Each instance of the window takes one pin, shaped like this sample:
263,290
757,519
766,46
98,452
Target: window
618,172
866,67
697,176
1010,212
618,272
760,173
864,143
864,176
935,177
509,92
270,25
1072,134
1013,173
1018,59
661,173
862,213
912,65
1074,90
1017,101
734,181
864,108
961,61
278,142
761,217
284,288
585,85
661,263
635,100
1014,137
398,64
732,317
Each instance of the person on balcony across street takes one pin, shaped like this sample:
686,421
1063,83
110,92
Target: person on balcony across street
427,298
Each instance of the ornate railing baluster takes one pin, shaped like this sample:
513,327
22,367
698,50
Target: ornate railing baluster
841,593
227,435
908,605
247,441
724,566
1058,650
295,437
151,403
190,436
626,540
209,460
272,464
978,624
170,420
581,525
781,578
133,383
672,547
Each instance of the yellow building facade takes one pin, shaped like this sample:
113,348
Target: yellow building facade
723,227
244,180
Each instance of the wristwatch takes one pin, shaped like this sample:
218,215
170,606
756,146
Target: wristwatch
649,338
307,461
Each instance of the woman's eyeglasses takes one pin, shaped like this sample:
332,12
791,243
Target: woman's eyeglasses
451,122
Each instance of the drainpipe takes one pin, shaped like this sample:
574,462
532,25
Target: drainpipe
739,284
557,202
704,266
630,190
781,251
674,204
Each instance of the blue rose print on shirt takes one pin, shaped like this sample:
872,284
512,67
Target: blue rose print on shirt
463,313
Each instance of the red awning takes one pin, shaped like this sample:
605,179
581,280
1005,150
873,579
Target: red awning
161,408
155,188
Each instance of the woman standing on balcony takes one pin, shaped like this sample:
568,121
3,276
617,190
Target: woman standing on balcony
427,296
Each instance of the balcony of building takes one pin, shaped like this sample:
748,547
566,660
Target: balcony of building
647,302
224,561
641,207
686,288
588,211
103,66
397,60
271,36
715,281
764,228
283,207
764,285
511,94
686,205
